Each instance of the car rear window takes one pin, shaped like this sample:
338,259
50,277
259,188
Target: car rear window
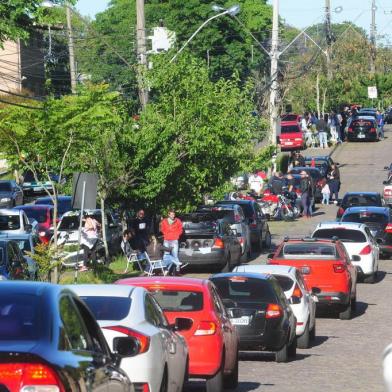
346,235
39,215
289,129
308,250
361,200
5,187
285,282
20,317
108,308
179,301
9,222
245,289
365,217
289,117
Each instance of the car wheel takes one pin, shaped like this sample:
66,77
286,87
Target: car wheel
245,257
313,332
164,382
186,374
282,355
231,380
292,349
226,267
346,314
303,341
354,304
267,241
215,383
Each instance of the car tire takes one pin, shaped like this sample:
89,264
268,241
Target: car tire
186,374
312,332
227,266
282,355
371,278
346,314
292,349
267,240
303,341
231,381
164,382
215,383
354,304
244,257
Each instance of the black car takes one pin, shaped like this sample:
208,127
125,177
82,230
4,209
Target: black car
388,116
379,221
258,307
322,162
363,128
11,194
260,235
209,240
64,203
318,179
50,341
12,263
359,199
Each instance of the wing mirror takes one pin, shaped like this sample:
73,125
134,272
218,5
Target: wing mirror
126,346
270,256
356,258
183,324
379,240
29,227
316,290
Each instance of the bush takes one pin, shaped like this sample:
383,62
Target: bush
282,163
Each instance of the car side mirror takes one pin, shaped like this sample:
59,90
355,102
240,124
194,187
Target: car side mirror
316,290
356,258
385,183
295,300
29,227
233,232
183,324
126,346
270,256
379,240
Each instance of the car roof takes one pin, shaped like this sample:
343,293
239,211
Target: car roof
243,274
378,210
102,290
172,282
289,122
30,288
63,197
3,181
33,207
362,194
305,168
307,241
317,157
334,225
9,211
269,269
364,117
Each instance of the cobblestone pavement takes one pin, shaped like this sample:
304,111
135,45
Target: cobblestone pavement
347,355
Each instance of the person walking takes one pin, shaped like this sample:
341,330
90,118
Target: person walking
380,124
326,192
334,182
171,228
89,240
306,194
322,131
140,229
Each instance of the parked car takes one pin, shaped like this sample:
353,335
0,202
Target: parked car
161,363
379,221
321,162
388,116
358,240
64,203
32,187
209,240
43,214
387,193
26,244
212,339
11,194
363,127
326,268
17,222
359,199
260,311
318,179
260,235
372,112
49,341
301,300
239,225
12,263
291,136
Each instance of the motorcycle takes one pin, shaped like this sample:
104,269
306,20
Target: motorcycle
281,206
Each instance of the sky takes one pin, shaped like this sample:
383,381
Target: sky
302,13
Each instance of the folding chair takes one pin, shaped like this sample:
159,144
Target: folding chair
132,259
155,266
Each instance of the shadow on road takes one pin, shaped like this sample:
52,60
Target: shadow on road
318,213
360,309
319,340
245,386
334,314
258,356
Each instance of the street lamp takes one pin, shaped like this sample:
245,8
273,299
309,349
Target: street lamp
232,11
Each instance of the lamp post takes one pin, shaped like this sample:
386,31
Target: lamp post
232,11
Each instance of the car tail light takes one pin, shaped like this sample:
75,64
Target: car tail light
144,341
387,192
30,377
340,211
388,228
206,328
366,250
297,292
373,130
350,129
305,270
273,311
141,387
338,268
218,243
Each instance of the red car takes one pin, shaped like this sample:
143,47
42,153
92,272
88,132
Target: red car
212,339
43,214
327,270
291,135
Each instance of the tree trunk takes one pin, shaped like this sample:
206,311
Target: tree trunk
55,213
318,94
104,239
324,99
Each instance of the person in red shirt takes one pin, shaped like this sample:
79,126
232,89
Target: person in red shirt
171,228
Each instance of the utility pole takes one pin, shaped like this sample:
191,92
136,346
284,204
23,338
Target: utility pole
373,39
274,89
328,36
141,51
72,65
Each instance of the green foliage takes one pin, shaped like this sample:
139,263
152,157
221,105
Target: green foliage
44,257
262,159
282,163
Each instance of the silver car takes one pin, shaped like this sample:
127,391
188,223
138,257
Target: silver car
162,361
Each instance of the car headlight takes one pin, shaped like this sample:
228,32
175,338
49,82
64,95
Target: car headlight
5,199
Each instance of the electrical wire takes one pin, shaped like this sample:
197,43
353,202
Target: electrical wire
20,105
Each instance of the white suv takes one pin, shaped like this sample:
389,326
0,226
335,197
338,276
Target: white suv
358,241
302,302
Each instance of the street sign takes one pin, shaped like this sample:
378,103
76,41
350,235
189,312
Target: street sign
372,92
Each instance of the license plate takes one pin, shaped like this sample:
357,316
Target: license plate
244,320
204,250
361,136
289,143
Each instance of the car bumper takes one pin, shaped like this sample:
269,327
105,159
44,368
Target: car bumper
332,298
386,249
6,204
272,339
215,257
364,266
291,144
368,137
388,200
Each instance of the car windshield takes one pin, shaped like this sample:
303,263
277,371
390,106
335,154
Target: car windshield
285,282
308,250
289,129
5,187
38,214
24,245
20,317
245,289
71,222
345,235
289,117
179,301
9,222
108,308
365,217
362,200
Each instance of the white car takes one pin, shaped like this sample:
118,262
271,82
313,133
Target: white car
16,222
162,361
302,302
387,365
358,241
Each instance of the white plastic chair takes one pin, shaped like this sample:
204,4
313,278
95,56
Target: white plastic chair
155,266
132,259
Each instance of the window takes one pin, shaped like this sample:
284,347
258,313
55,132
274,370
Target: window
179,301
301,281
76,337
108,308
159,311
9,222
308,250
345,235
285,282
361,200
39,215
151,313
5,187
365,217
220,309
290,129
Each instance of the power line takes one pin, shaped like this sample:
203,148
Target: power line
20,105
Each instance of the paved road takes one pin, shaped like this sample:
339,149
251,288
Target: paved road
347,354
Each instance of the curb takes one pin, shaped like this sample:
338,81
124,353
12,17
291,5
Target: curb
334,149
